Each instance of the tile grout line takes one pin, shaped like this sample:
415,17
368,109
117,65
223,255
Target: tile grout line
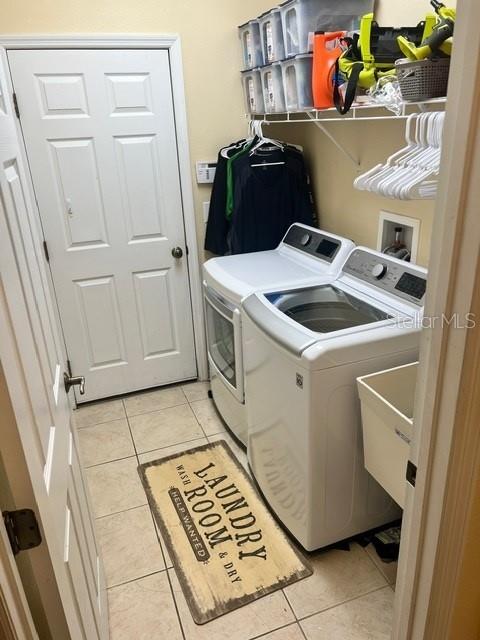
294,614
147,575
115,513
100,464
339,604
167,569
175,604
168,446
375,565
198,421
157,533
144,413
267,633
158,537
289,604
200,424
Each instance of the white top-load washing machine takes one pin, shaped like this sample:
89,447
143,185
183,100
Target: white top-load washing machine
304,349
304,255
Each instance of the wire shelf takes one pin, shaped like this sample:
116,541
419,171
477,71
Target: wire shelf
359,112
356,113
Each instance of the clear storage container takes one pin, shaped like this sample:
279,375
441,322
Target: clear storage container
297,82
252,89
249,34
272,85
387,400
271,36
301,18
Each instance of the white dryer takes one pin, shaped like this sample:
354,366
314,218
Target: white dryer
304,256
304,349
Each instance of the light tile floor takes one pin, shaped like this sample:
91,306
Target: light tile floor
349,596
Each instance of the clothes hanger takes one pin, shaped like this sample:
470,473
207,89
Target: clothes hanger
412,172
265,142
251,133
369,180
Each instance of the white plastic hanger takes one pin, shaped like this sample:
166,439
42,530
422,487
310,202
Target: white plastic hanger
412,172
265,142
365,181
250,136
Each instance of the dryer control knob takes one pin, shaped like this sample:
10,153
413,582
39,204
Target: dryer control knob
379,270
305,239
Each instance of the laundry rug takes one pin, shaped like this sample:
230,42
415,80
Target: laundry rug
226,548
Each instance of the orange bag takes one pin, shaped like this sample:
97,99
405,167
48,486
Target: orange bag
325,55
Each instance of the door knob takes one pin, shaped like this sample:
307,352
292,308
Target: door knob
177,252
74,381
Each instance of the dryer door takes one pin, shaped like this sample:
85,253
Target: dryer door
224,341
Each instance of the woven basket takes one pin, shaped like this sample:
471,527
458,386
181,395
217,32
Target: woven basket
423,79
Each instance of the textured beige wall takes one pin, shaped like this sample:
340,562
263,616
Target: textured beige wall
210,47
341,208
211,59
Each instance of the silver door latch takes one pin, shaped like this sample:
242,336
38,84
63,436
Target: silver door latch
74,381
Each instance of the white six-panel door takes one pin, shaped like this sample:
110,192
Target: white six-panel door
33,364
100,136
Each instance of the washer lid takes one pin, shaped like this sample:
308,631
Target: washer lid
239,275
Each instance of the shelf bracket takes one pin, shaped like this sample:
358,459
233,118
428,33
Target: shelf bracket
332,139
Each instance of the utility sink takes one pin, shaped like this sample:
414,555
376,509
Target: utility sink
387,400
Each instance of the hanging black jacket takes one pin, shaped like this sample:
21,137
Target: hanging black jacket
267,200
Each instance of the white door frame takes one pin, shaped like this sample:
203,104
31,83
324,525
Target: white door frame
171,43
430,557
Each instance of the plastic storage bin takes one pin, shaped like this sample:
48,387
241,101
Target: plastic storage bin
297,82
249,34
272,85
301,18
387,401
271,36
252,89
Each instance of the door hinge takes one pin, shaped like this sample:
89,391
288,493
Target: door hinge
411,474
15,105
45,251
22,530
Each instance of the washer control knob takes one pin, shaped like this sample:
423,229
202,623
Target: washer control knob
305,239
379,270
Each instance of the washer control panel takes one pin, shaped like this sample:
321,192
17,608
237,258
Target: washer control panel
401,280
313,242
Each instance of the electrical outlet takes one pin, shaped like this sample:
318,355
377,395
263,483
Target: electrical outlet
206,207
